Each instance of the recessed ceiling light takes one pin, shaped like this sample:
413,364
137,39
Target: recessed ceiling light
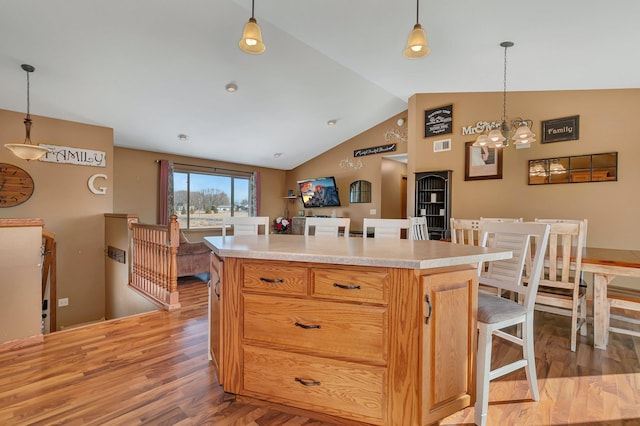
182,137
332,122
231,87
277,155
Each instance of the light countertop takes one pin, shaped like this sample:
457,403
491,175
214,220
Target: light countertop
393,253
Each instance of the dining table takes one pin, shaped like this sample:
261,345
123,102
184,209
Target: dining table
607,264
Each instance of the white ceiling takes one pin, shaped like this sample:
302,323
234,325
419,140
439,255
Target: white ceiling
152,69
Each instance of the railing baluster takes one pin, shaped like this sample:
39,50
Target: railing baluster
154,269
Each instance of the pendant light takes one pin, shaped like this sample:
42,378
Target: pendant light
499,137
251,41
27,150
417,46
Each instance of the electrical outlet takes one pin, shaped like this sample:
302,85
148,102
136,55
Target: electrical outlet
63,302
372,211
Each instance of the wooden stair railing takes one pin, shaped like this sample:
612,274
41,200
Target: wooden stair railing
154,271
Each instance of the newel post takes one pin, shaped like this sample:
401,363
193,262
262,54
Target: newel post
174,243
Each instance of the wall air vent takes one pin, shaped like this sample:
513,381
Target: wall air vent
442,145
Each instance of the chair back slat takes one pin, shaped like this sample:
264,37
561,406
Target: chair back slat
385,228
419,230
243,225
327,226
507,274
465,231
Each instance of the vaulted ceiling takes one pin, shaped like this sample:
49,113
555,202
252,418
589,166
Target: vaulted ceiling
154,69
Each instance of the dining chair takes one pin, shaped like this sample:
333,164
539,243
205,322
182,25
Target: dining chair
465,231
559,291
419,229
501,219
243,225
327,226
495,313
385,228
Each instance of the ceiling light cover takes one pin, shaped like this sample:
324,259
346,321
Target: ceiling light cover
231,87
417,46
27,150
251,41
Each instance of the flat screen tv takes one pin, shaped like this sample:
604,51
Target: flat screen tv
319,192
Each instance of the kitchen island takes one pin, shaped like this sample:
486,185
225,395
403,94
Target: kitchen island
376,331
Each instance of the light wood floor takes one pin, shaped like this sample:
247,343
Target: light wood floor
152,369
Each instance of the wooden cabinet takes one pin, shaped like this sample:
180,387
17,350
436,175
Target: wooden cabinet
384,346
215,314
433,201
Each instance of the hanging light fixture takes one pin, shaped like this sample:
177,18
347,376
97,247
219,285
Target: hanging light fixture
27,150
417,46
499,137
251,41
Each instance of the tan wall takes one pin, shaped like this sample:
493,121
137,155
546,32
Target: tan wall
328,164
391,194
20,282
136,184
63,200
607,122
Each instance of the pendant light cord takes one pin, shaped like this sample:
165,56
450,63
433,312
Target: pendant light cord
504,88
252,7
417,11
28,102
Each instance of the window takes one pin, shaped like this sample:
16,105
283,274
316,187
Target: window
201,200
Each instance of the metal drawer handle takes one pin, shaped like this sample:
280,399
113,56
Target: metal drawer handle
305,326
347,287
428,317
216,288
271,281
307,382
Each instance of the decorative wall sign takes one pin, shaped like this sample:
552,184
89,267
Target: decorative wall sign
561,129
480,126
481,162
102,190
78,156
375,150
438,121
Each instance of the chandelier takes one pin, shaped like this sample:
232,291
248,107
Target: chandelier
27,150
499,137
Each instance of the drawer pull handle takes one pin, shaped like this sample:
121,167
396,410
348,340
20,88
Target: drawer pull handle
428,317
305,326
347,287
271,280
307,382
216,288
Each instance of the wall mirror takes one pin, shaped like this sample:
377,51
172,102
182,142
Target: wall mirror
574,169
360,191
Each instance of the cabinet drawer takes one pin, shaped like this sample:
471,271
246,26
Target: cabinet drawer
332,328
357,284
324,385
276,278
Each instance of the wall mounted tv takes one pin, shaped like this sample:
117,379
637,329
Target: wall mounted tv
319,192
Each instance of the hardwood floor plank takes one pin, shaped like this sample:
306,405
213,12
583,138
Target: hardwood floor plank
152,369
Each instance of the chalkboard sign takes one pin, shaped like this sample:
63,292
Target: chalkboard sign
438,121
561,129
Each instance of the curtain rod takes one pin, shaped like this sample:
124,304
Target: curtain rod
214,169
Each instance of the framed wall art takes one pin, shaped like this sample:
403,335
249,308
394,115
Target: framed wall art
481,162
